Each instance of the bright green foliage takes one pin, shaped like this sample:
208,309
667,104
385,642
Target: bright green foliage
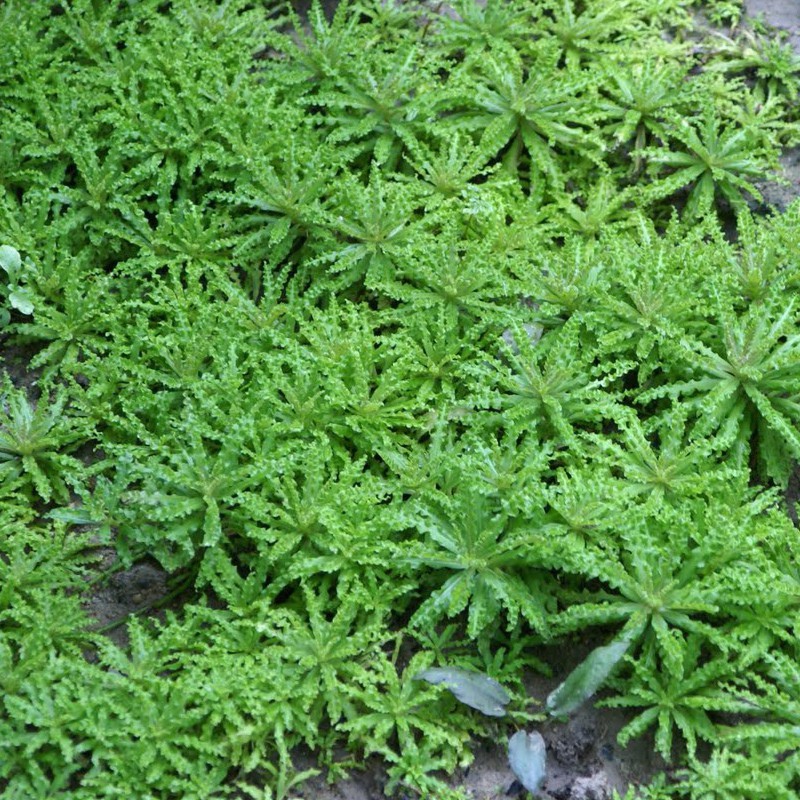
35,438
534,113
640,97
664,475
748,387
731,776
714,160
488,556
774,62
381,333
678,701
42,638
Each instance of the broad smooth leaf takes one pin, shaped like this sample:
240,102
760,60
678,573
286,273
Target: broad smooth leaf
475,689
21,301
10,260
528,759
587,677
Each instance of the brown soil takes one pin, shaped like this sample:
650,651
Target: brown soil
584,761
126,592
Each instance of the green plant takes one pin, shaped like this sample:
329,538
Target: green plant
35,439
715,160
581,29
641,99
680,701
380,334
534,110
665,473
746,392
774,62
485,551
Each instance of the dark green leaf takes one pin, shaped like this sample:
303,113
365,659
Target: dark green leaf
586,678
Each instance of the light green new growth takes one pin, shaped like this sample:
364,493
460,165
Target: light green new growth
403,341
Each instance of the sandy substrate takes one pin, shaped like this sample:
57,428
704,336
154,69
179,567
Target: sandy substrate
783,15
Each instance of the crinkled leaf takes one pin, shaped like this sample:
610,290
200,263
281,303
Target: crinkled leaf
474,689
528,759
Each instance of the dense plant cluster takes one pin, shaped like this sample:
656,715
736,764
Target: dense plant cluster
404,339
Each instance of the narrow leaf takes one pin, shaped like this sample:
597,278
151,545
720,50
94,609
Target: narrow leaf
474,689
587,677
527,757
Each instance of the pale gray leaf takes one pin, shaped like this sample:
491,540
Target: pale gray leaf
21,300
10,260
474,689
528,759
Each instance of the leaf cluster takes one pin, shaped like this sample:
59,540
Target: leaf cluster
401,340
